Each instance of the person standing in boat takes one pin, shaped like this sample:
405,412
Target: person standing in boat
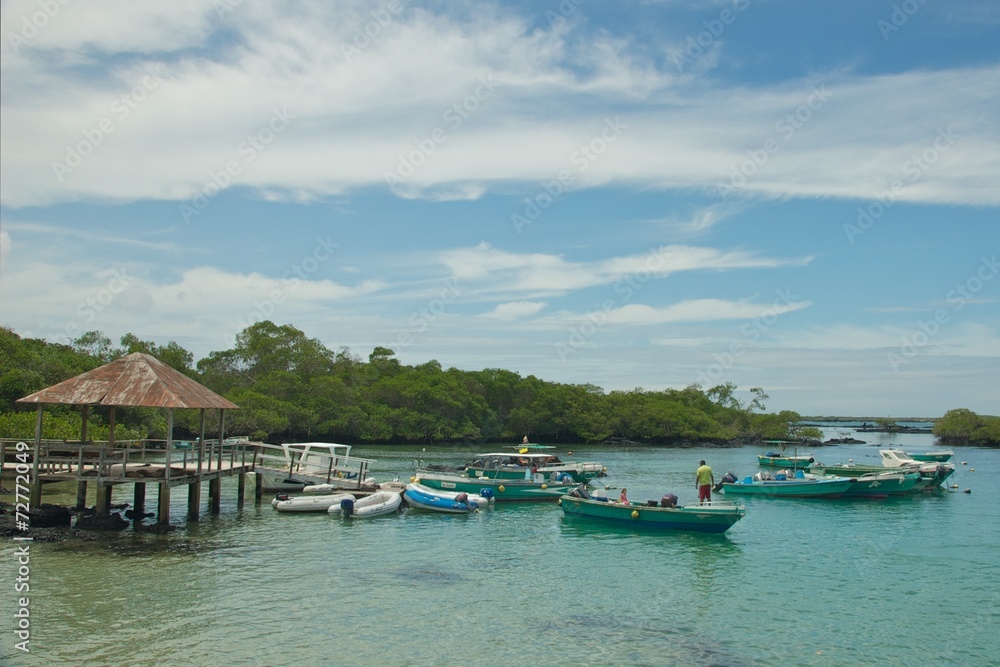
703,481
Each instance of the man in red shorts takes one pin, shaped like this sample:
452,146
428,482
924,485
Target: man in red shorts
703,481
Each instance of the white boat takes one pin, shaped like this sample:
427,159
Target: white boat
379,503
310,503
294,466
437,500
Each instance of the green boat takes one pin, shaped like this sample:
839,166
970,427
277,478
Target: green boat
779,459
773,460
938,456
882,484
795,487
711,518
539,488
527,462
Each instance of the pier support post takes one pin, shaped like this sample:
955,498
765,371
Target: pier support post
258,489
163,504
215,495
194,500
102,507
241,490
139,501
81,495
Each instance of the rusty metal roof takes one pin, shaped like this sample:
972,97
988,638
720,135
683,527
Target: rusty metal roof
134,380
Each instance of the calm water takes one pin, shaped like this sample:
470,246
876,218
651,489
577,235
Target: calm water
797,582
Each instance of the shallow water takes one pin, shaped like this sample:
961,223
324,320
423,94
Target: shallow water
797,582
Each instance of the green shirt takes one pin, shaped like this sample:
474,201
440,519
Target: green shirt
703,475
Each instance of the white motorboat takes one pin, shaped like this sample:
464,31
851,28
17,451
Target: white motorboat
310,503
379,503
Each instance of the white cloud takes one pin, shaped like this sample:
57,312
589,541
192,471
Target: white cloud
551,96
513,310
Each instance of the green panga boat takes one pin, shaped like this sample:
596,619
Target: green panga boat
824,487
710,518
539,488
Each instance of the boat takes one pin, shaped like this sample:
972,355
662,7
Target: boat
293,466
774,459
539,487
426,498
379,503
713,517
796,486
529,460
880,484
932,474
938,456
309,503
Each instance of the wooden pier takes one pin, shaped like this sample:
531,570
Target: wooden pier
136,380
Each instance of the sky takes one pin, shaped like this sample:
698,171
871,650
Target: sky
798,196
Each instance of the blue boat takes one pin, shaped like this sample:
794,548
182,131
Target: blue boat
426,498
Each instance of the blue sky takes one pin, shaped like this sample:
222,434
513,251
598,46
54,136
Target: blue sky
801,196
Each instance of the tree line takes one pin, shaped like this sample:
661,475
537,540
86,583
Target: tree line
291,387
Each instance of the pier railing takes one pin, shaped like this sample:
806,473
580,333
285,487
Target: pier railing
101,461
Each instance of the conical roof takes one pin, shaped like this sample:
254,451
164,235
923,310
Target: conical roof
134,380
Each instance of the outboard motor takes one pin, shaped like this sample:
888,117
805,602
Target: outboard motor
580,492
668,500
281,496
347,507
728,478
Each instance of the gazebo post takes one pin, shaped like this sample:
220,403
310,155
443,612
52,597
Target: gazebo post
81,486
36,484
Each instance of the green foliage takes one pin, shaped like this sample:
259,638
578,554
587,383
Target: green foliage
963,427
21,425
291,387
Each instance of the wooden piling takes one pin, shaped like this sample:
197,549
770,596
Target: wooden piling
81,495
215,495
194,500
102,507
258,489
163,504
241,490
139,500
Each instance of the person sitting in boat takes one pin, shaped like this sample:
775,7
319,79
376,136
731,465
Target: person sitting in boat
623,498
524,440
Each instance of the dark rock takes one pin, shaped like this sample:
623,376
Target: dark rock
49,516
112,522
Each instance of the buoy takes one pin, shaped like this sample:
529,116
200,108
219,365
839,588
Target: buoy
635,514
545,486
965,463
968,490
569,452
972,470
501,488
413,480
954,486
559,502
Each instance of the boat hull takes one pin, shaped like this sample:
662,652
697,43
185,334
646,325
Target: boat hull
941,456
503,490
314,503
437,500
717,518
380,503
829,487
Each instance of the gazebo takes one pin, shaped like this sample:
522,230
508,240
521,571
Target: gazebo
136,380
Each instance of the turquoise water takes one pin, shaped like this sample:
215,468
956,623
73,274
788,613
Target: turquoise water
797,582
